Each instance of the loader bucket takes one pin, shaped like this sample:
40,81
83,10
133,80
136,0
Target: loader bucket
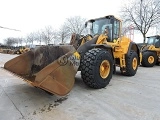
46,67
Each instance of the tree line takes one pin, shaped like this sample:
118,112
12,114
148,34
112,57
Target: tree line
49,35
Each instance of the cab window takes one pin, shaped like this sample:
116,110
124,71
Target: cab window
116,29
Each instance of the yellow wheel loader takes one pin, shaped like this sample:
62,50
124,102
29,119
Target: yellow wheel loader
22,50
53,68
151,51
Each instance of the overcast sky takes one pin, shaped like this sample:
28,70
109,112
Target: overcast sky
31,15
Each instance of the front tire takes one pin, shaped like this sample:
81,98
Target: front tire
97,68
149,59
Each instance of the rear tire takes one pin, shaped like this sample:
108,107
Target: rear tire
131,64
97,68
149,59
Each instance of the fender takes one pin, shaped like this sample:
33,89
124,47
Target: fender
134,46
87,46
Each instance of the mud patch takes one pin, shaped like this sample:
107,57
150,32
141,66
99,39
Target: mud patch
50,106
43,109
60,100
34,113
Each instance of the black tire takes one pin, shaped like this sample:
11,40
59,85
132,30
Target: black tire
90,68
149,59
157,63
130,68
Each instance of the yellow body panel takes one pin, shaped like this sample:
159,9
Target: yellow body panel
153,48
86,38
119,46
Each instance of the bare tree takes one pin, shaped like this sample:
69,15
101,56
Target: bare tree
39,36
31,37
158,28
75,25
9,41
48,34
26,41
15,40
18,41
144,14
62,34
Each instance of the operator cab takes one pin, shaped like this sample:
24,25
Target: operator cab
98,26
154,40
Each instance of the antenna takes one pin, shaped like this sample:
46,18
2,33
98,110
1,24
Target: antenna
8,28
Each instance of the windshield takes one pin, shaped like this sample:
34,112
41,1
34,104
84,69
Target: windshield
100,24
151,40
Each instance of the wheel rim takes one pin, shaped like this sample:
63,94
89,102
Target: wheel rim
104,69
134,64
150,59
